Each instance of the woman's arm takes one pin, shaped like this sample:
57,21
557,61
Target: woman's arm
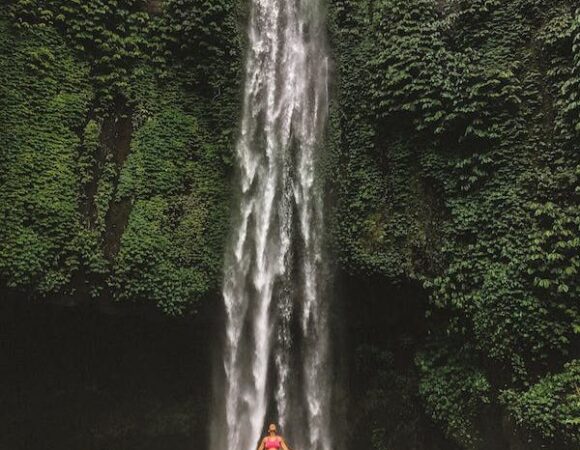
261,446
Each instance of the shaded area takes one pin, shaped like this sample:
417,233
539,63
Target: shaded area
385,327
78,378
116,136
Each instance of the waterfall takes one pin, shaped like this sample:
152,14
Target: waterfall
276,364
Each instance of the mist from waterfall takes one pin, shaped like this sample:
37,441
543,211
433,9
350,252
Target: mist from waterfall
276,363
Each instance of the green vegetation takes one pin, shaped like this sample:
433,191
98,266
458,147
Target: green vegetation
170,250
453,153
44,94
116,128
456,133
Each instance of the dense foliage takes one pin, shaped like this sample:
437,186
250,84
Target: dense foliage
454,157
116,126
456,138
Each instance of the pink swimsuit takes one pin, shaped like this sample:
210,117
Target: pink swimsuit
272,443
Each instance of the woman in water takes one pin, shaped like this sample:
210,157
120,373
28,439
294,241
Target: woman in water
273,440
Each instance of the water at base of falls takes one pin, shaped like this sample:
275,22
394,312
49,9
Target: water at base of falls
276,365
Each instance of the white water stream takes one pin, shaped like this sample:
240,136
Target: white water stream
276,365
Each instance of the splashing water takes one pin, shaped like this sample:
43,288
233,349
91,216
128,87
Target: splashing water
276,356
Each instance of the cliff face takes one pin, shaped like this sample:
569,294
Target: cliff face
117,131
452,162
455,149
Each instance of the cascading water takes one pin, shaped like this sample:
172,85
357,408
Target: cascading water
276,357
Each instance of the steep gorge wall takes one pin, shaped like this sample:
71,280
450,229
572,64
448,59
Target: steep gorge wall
455,141
117,129
453,147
